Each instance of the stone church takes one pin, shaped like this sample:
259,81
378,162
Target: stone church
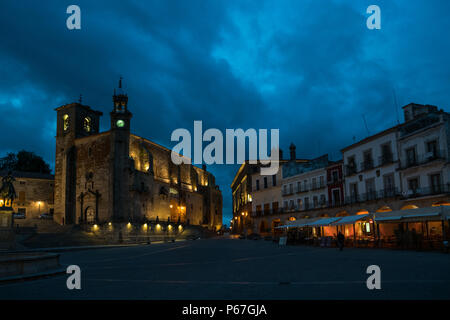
116,176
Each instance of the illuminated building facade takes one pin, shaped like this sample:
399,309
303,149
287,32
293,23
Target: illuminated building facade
241,189
403,167
34,194
118,176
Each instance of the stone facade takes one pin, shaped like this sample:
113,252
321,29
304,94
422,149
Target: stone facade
34,193
118,176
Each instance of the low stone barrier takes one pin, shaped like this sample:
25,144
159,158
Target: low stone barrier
13,264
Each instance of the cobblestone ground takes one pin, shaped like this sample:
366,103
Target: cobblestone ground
242,269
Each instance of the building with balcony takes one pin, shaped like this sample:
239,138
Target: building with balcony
266,200
402,167
35,194
304,185
257,198
241,189
423,144
370,169
335,184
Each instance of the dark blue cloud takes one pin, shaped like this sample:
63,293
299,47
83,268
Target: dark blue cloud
310,68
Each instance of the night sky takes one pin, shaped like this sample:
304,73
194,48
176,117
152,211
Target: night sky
308,67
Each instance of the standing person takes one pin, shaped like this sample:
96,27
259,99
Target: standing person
340,240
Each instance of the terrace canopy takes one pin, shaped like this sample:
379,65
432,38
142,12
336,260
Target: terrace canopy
323,222
351,219
428,222
297,223
411,215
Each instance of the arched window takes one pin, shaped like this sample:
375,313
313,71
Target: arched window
87,124
66,122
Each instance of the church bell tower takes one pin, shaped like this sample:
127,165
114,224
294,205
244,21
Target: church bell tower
120,116
120,162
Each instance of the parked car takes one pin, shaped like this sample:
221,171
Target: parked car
18,215
241,236
46,216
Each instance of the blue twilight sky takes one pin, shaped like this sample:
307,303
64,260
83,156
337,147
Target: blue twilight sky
308,67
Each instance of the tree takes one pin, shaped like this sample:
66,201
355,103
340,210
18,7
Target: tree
24,161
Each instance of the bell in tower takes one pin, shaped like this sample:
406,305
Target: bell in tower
120,99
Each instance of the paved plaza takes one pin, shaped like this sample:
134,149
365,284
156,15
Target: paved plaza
223,268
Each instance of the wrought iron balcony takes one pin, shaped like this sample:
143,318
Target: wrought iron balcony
302,190
367,165
334,181
318,186
428,191
287,192
422,159
373,195
350,169
386,159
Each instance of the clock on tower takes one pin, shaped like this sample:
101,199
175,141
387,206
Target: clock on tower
120,116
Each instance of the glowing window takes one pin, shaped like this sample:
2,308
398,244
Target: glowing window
87,124
66,122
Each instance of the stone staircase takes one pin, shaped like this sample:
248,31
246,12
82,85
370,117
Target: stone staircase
49,234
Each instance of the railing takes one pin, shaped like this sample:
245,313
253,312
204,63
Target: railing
334,181
372,195
363,197
260,213
318,186
422,159
366,165
429,191
287,192
303,188
350,170
385,159
369,164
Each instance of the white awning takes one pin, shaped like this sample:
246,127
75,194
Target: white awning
350,219
410,214
433,214
388,218
323,222
297,223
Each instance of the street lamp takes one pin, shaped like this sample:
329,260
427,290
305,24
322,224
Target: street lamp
39,206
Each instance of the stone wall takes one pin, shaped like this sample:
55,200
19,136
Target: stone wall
35,195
